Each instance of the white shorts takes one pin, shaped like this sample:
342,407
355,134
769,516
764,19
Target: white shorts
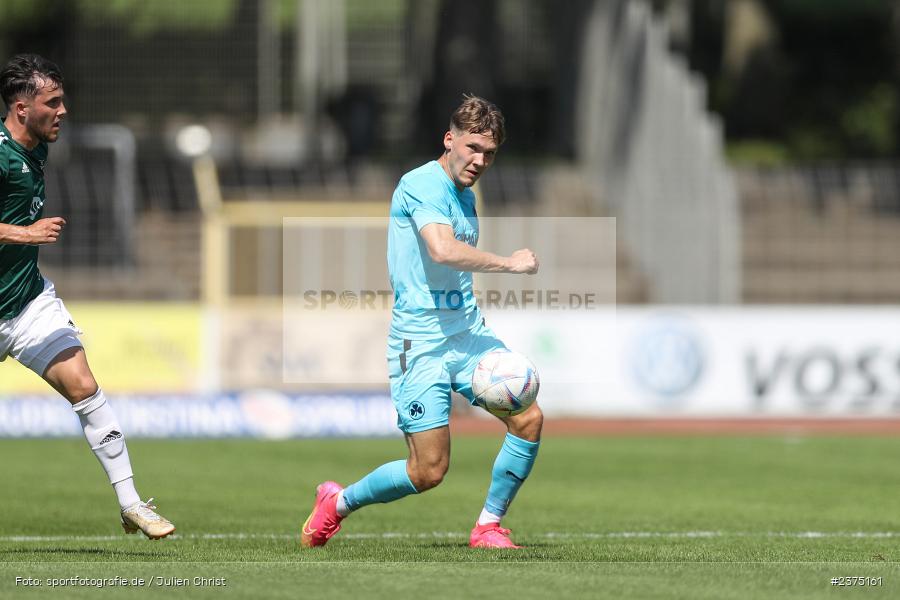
40,332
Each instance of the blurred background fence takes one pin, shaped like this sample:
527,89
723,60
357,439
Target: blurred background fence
746,162
304,98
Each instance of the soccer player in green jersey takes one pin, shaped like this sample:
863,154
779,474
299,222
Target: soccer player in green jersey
35,327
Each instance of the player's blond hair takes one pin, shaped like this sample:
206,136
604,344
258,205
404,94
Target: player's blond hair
477,115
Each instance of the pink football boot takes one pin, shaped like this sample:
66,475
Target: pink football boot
324,521
490,536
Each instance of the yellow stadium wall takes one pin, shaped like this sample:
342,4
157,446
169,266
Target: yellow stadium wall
139,347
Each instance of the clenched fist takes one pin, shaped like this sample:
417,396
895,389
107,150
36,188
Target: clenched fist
523,261
45,231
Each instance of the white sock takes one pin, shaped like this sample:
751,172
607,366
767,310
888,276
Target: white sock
488,517
126,492
341,506
104,434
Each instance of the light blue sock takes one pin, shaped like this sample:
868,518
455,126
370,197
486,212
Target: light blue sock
511,468
387,483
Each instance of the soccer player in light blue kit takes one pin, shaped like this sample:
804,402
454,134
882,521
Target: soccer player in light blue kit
438,335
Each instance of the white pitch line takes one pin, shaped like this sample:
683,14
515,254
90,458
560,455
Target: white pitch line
462,535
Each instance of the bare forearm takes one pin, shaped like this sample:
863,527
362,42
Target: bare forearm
13,234
445,249
44,231
463,257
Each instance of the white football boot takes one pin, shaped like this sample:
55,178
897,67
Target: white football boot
141,516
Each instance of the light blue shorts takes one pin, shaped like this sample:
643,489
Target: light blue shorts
423,372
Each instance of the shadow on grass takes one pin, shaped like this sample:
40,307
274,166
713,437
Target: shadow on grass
99,552
464,546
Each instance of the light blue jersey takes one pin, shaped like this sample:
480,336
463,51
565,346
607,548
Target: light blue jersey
431,301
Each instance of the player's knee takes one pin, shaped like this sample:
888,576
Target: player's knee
81,388
529,424
427,477
432,478
536,420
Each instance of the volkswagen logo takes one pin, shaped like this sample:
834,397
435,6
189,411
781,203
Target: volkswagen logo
667,358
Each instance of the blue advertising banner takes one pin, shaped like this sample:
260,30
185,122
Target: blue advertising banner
259,414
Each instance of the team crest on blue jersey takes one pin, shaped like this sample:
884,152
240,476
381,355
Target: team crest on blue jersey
416,410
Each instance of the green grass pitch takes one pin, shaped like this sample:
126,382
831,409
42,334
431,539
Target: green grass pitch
629,517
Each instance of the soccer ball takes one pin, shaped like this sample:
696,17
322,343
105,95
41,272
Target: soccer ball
505,383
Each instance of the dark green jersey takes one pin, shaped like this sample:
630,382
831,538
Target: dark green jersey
21,203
